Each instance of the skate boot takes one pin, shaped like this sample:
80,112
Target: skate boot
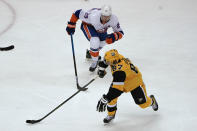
99,58
93,66
88,56
154,103
108,118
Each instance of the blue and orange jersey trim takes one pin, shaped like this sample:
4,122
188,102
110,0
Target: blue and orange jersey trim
75,16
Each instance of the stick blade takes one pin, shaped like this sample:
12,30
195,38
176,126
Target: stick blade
81,88
7,48
32,121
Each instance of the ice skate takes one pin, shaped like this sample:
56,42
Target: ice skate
88,56
108,118
154,103
93,66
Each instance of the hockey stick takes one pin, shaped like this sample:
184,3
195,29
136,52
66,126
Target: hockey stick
76,76
36,121
7,48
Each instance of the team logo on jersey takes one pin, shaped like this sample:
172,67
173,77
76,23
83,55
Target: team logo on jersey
113,54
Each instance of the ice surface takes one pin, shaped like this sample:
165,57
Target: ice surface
160,38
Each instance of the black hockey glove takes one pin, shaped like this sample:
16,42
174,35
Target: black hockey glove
101,73
71,28
101,106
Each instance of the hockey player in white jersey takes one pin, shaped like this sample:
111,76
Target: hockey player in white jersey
95,23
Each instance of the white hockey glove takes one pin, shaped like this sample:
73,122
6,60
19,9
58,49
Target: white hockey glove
101,106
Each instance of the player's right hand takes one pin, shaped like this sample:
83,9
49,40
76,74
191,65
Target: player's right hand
102,103
71,28
101,73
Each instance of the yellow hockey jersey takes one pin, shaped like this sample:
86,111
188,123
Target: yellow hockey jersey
126,76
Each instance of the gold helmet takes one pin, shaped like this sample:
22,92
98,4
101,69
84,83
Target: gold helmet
112,57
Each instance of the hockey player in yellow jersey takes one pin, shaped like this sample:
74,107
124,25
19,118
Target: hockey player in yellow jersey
126,78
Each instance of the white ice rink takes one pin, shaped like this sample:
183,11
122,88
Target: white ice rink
160,38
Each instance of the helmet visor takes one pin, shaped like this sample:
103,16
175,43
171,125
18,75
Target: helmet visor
107,62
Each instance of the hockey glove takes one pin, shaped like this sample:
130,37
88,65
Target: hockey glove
101,106
110,38
101,73
71,28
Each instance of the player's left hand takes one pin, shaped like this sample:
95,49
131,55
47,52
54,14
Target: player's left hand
101,106
110,38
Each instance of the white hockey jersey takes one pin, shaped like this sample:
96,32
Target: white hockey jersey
93,17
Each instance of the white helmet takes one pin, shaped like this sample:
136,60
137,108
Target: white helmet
106,10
